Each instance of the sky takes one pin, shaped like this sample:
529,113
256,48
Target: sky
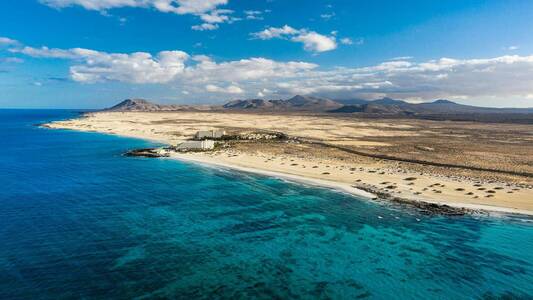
95,53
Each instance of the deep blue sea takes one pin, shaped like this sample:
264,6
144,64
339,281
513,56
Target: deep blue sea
80,221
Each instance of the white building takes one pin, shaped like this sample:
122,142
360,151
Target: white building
196,145
209,134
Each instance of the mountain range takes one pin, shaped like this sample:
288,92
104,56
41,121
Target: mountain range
392,106
296,103
384,107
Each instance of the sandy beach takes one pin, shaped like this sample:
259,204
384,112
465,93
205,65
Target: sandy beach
489,170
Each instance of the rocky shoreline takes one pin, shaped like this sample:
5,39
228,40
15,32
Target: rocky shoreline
425,208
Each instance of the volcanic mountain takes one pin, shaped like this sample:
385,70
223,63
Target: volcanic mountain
392,106
385,107
296,103
141,105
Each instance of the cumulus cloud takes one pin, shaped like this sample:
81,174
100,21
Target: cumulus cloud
195,6
175,6
231,89
312,41
215,17
141,67
252,69
45,52
204,27
504,77
315,42
4,41
274,32
207,10
94,66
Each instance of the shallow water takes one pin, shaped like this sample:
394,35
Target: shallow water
79,220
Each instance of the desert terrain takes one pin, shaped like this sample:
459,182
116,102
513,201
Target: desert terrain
463,164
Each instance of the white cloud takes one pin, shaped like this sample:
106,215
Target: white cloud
219,16
512,48
253,15
346,41
45,52
207,10
141,67
95,66
507,76
213,18
95,4
313,42
204,27
252,69
4,41
327,16
402,58
273,32
196,6
231,89
349,41
504,77
174,6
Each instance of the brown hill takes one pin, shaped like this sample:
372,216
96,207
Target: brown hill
141,105
296,103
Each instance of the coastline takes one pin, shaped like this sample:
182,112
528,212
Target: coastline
370,181
165,205
338,186
350,189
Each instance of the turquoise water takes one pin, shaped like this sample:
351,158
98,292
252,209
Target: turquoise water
78,220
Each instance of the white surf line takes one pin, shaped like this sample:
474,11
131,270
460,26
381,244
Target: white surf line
289,177
344,187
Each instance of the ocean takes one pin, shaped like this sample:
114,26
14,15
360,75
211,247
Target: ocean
78,220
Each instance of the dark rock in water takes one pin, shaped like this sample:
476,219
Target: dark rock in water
148,152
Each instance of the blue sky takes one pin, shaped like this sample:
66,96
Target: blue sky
94,53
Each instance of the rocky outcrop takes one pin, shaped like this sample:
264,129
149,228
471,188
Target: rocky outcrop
147,152
425,208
